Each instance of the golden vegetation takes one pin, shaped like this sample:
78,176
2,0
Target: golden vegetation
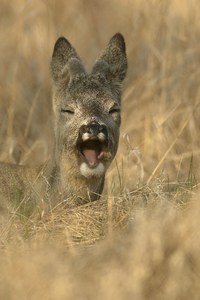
141,240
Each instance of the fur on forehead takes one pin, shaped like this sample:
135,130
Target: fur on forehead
83,82
91,84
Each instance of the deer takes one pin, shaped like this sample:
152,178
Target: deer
87,118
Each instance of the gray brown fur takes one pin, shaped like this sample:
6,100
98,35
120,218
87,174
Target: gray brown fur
87,121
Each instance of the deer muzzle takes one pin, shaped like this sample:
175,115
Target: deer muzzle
93,144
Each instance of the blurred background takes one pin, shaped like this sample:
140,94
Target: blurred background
161,114
142,244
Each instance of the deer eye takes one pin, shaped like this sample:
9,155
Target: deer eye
114,110
67,111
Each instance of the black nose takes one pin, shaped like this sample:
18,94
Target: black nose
93,129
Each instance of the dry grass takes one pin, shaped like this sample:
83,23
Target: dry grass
141,240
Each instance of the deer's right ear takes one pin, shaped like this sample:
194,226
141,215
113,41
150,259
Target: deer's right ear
63,55
113,61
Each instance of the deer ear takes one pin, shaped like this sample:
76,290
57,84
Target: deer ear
113,62
64,58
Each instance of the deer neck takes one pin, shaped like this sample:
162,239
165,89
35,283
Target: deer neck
66,181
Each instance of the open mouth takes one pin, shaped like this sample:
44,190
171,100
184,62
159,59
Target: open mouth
92,151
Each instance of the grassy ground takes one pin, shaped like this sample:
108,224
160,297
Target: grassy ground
141,240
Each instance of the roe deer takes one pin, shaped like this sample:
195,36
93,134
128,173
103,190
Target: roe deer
87,121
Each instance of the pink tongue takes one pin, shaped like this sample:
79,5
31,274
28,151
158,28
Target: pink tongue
91,156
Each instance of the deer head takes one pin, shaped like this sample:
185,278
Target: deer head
87,108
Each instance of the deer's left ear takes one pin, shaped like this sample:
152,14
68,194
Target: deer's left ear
65,61
113,61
